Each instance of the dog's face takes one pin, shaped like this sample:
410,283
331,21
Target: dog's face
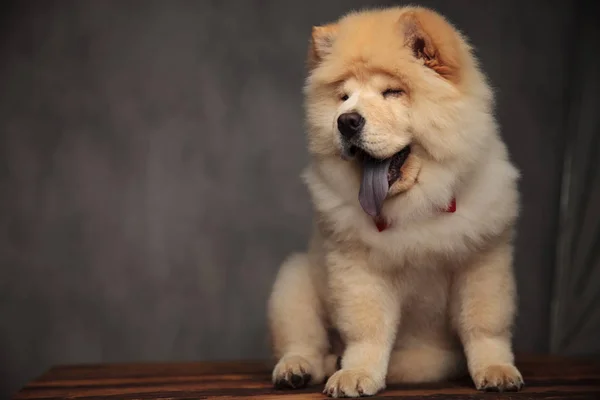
386,92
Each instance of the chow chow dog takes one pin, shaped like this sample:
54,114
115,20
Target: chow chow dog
408,275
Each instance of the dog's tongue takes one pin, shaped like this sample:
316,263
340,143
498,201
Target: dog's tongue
374,186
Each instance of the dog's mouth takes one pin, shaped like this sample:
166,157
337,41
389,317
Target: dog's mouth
378,175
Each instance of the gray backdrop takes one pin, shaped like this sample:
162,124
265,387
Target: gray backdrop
149,169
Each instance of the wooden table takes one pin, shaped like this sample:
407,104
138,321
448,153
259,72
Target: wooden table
545,377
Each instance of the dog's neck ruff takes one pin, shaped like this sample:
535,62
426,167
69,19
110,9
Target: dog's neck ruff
382,224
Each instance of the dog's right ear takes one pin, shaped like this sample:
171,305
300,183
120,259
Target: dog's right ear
321,42
433,40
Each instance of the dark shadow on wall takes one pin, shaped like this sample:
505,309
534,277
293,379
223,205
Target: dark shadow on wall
576,301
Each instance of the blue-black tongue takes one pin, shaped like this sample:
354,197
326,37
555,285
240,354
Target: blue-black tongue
374,186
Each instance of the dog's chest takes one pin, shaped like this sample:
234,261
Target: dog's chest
424,295
432,244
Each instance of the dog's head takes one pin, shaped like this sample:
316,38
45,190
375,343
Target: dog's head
393,92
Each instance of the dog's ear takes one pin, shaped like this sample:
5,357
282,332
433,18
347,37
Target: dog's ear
432,39
321,42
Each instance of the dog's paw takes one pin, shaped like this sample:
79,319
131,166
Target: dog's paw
292,372
352,383
498,378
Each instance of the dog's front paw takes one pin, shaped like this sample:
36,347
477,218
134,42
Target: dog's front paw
353,383
498,378
293,372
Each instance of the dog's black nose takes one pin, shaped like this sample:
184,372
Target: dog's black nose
350,124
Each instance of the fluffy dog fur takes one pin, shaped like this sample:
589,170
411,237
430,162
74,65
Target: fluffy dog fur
433,295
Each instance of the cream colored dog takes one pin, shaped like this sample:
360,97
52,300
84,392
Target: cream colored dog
415,200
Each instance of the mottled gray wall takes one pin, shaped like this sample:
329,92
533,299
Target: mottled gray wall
149,168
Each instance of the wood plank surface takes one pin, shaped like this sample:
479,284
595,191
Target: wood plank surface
545,378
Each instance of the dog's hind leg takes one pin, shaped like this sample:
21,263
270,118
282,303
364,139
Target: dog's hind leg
297,329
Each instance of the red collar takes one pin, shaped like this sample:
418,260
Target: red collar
382,224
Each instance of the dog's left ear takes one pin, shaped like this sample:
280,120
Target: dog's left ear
321,42
432,39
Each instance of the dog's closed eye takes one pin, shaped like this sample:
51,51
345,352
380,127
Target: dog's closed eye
392,92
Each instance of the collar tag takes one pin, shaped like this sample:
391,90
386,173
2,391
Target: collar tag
380,223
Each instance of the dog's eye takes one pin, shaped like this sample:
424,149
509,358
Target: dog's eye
344,97
392,92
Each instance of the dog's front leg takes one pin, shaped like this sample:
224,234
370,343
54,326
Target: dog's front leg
483,308
365,311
